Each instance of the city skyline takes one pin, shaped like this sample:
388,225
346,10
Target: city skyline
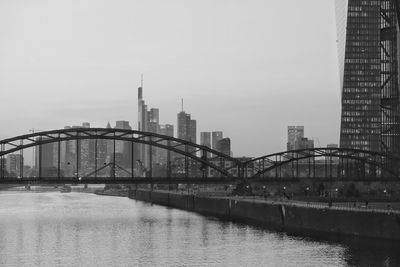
200,133
254,86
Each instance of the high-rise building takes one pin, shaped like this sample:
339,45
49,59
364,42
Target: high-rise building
87,154
296,139
123,125
167,129
224,146
295,134
14,164
341,24
154,115
110,146
153,120
3,166
368,45
187,129
141,111
183,125
216,136
304,143
123,148
85,125
332,146
162,155
148,121
193,131
46,158
205,139
102,153
142,124
76,155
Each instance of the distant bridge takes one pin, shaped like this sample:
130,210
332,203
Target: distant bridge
183,161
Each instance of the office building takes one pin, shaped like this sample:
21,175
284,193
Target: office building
142,125
148,121
3,166
167,129
193,131
368,48
224,146
296,139
295,134
162,156
304,143
183,126
187,128
87,154
205,139
46,158
122,148
14,164
216,136
332,146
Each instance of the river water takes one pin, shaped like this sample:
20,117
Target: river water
77,229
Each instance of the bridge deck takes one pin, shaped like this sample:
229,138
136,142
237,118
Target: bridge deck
182,180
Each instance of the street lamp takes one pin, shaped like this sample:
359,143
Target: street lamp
264,191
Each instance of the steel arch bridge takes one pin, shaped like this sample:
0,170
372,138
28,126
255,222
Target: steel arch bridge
205,157
326,163
212,166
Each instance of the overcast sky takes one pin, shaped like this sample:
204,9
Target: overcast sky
249,68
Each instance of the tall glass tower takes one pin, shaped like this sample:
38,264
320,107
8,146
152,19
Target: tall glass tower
368,48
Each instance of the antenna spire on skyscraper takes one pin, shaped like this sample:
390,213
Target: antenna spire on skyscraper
182,104
141,80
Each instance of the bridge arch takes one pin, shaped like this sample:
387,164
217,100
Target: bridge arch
385,164
208,157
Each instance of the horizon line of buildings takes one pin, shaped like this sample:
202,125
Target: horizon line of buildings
79,156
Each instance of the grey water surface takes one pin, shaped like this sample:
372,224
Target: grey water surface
78,229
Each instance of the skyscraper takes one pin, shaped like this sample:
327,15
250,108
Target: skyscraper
142,110
14,164
341,23
153,124
224,146
368,55
295,135
102,153
46,158
142,122
186,127
123,149
122,146
216,136
148,121
168,130
205,139
193,131
87,153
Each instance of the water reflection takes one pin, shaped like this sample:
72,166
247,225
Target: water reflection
54,229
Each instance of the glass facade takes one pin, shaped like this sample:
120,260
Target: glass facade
341,23
370,93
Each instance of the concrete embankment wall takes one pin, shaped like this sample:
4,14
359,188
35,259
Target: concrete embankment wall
287,217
